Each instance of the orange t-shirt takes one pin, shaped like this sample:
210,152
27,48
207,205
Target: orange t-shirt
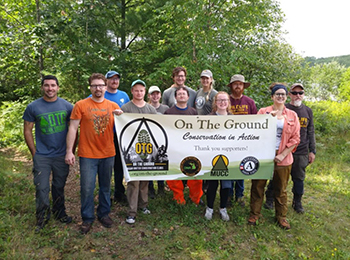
96,128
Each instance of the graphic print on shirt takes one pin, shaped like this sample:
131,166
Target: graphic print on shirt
303,121
100,120
240,109
53,122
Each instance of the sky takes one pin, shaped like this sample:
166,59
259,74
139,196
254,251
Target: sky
318,28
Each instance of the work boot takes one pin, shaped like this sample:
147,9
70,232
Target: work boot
297,205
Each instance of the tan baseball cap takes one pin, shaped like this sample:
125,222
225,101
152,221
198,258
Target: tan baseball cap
296,85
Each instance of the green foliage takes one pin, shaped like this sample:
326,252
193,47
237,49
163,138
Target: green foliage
342,60
331,117
11,124
324,81
344,88
142,39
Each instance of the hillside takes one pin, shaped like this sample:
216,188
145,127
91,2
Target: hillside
343,60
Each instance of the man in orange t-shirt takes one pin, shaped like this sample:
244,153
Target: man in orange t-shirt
96,150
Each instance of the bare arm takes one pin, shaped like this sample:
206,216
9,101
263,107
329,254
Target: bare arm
71,137
280,157
28,136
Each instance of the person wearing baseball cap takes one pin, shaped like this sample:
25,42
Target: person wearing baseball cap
120,97
137,191
305,152
240,105
154,95
206,94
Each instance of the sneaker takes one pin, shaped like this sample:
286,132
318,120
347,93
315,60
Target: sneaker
240,202
268,204
130,220
224,215
106,221
283,223
146,211
209,213
252,220
85,227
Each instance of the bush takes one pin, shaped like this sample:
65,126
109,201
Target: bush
331,117
11,124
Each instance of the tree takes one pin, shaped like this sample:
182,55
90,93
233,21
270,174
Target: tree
324,81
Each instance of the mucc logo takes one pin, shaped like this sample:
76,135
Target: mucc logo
144,145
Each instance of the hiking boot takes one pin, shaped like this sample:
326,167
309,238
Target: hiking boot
224,215
240,202
268,204
106,221
297,205
85,227
66,219
252,220
283,223
146,211
40,224
130,220
209,213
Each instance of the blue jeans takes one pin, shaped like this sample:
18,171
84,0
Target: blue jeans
88,170
238,185
42,168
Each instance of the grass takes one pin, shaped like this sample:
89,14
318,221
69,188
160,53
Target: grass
181,232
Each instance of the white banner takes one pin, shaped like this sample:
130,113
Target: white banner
169,147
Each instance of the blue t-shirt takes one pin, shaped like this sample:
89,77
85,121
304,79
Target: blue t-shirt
120,97
51,125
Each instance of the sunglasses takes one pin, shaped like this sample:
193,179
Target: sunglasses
296,93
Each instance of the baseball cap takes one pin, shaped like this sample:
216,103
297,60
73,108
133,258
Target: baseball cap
138,81
111,73
207,73
238,77
296,85
153,89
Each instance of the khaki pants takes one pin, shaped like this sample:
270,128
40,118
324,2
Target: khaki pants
280,182
137,194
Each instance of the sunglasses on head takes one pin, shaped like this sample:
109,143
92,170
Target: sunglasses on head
296,92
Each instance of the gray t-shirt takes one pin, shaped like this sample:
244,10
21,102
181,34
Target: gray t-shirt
51,125
130,107
168,97
204,104
162,108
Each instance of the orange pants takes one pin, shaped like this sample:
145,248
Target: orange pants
195,186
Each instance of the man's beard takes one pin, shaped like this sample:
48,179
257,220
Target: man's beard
237,92
297,103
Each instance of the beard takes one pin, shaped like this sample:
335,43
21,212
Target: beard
297,103
237,92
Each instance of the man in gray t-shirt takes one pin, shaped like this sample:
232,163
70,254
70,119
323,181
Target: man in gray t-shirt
50,115
179,77
137,191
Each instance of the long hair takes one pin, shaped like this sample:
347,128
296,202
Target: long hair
215,108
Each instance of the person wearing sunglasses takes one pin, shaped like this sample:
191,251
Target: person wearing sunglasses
306,150
287,139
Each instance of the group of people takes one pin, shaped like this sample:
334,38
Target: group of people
58,125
